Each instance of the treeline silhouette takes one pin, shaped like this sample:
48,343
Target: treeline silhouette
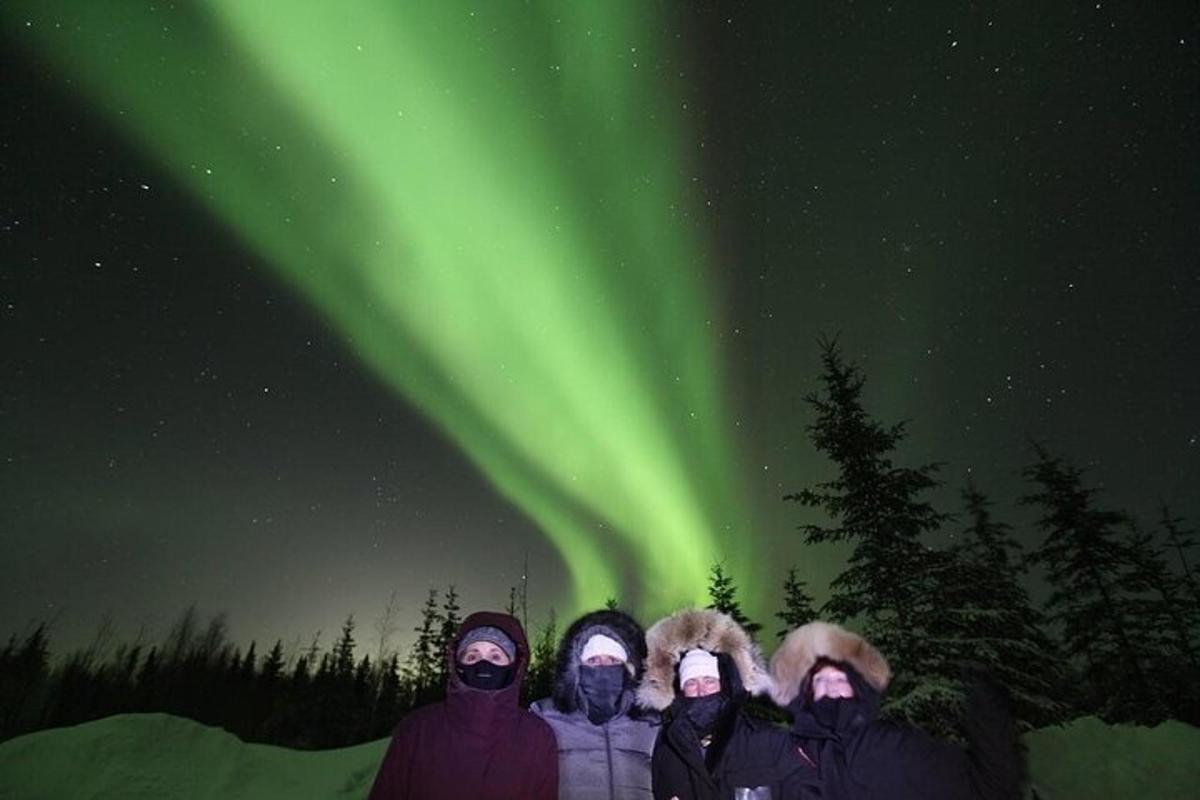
943,595
304,698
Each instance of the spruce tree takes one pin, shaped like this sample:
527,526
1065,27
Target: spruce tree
26,672
272,665
448,629
1088,569
877,508
425,659
986,619
723,596
1164,626
300,673
246,669
387,701
362,706
147,681
539,680
1179,542
797,604
343,651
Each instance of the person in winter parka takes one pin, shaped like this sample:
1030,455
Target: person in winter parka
700,670
478,742
604,739
832,682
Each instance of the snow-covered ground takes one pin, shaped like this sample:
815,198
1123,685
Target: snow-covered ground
145,756
136,756
1088,759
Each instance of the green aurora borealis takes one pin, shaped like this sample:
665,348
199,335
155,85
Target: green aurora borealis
302,306
507,245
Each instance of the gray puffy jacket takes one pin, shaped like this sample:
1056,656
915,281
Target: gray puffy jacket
610,761
601,762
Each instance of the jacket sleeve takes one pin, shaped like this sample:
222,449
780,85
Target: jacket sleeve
797,778
909,763
391,782
659,774
997,765
547,787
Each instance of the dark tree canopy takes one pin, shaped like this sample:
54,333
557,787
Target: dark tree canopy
1090,574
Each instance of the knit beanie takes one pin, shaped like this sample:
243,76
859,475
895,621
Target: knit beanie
698,664
486,633
601,645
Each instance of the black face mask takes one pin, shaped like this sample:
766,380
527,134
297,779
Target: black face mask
602,688
835,713
483,674
704,712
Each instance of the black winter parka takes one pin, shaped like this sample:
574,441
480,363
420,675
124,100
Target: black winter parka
749,753
861,757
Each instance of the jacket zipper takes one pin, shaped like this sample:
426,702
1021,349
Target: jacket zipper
612,789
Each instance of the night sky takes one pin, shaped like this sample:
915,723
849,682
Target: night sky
995,208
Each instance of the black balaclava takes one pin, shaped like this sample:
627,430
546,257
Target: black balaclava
835,713
483,674
705,712
602,687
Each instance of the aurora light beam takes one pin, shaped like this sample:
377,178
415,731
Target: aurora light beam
487,201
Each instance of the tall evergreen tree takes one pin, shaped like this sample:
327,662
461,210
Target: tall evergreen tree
387,701
1164,607
1179,542
180,640
878,508
797,604
147,681
300,673
249,662
1162,612
539,679
343,651
722,594
425,660
272,665
25,674
1087,568
985,617
448,629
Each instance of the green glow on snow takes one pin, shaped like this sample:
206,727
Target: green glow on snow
487,201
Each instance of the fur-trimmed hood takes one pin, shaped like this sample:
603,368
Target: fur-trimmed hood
807,644
614,624
671,637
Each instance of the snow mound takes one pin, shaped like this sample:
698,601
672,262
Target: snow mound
1087,758
136,756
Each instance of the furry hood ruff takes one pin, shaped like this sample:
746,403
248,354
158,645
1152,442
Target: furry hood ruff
671,637
805,645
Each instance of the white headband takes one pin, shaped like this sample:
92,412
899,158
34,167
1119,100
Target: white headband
698,664
601,645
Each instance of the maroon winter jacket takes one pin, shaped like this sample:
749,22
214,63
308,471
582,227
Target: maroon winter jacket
474,744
